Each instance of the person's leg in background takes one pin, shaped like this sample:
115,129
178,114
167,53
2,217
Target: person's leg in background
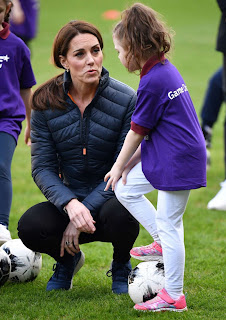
219,201
211,106
7,148
224,90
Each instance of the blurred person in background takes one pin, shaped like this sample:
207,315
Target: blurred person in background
16,81
24,19
79,121
219,201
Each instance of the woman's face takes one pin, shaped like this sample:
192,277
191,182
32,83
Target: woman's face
123,56
84,59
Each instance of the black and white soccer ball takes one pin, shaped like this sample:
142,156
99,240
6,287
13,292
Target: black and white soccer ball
5,267
25,263
146,280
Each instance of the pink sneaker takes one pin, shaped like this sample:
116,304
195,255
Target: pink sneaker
150,252
163,302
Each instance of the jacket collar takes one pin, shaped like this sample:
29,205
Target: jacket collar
102,84
5,32
151,63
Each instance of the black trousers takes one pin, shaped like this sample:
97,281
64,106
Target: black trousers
224,90
41,229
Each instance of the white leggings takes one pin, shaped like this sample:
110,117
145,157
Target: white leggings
165,224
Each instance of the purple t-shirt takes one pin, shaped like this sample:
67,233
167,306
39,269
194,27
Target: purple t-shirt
15,74
173,155
28,29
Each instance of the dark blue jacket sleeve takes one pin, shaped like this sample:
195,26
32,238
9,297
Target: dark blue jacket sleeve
44,161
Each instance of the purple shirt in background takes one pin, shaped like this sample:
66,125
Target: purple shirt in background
28,29
15,73
173,154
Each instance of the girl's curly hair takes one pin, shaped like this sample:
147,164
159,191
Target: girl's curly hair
142,34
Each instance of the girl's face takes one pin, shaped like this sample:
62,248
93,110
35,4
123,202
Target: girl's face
84,59
128,62
4,9
121,52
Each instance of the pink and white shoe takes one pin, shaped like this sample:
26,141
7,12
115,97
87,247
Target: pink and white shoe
163,302
150,252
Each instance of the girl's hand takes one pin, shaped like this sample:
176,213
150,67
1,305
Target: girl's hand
70,240
125,173
80,216
112,177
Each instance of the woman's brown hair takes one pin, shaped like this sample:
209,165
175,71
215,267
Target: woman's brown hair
142,34
51,92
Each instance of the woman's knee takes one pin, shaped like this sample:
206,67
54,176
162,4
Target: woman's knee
28,228
117,217
41,223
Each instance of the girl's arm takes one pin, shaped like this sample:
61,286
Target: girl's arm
136,158
130,145
26,95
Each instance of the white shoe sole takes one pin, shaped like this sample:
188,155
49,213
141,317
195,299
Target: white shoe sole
163,310
148,258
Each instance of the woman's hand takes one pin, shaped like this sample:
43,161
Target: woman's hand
112,177
70,240
80,216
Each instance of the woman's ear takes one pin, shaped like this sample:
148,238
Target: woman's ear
63,62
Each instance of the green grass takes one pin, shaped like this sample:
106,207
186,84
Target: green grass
195,23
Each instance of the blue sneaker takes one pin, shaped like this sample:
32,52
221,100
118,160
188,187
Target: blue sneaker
63,273
119,273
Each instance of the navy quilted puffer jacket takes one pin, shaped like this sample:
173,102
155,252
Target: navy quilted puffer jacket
84,148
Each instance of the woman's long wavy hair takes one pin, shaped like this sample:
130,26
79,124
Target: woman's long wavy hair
51,94
142,34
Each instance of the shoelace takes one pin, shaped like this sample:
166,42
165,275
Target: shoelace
124,270
109,273
56,269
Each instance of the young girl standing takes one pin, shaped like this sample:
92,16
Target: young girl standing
164,150
16,80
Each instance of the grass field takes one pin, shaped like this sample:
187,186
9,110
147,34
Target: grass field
195,23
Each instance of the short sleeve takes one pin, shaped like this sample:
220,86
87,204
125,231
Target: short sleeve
149,109
27,78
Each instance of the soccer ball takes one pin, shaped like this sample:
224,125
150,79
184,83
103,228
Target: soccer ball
25,263
5,267
146,280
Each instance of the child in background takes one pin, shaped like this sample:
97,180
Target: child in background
164,150
24,19
16,80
